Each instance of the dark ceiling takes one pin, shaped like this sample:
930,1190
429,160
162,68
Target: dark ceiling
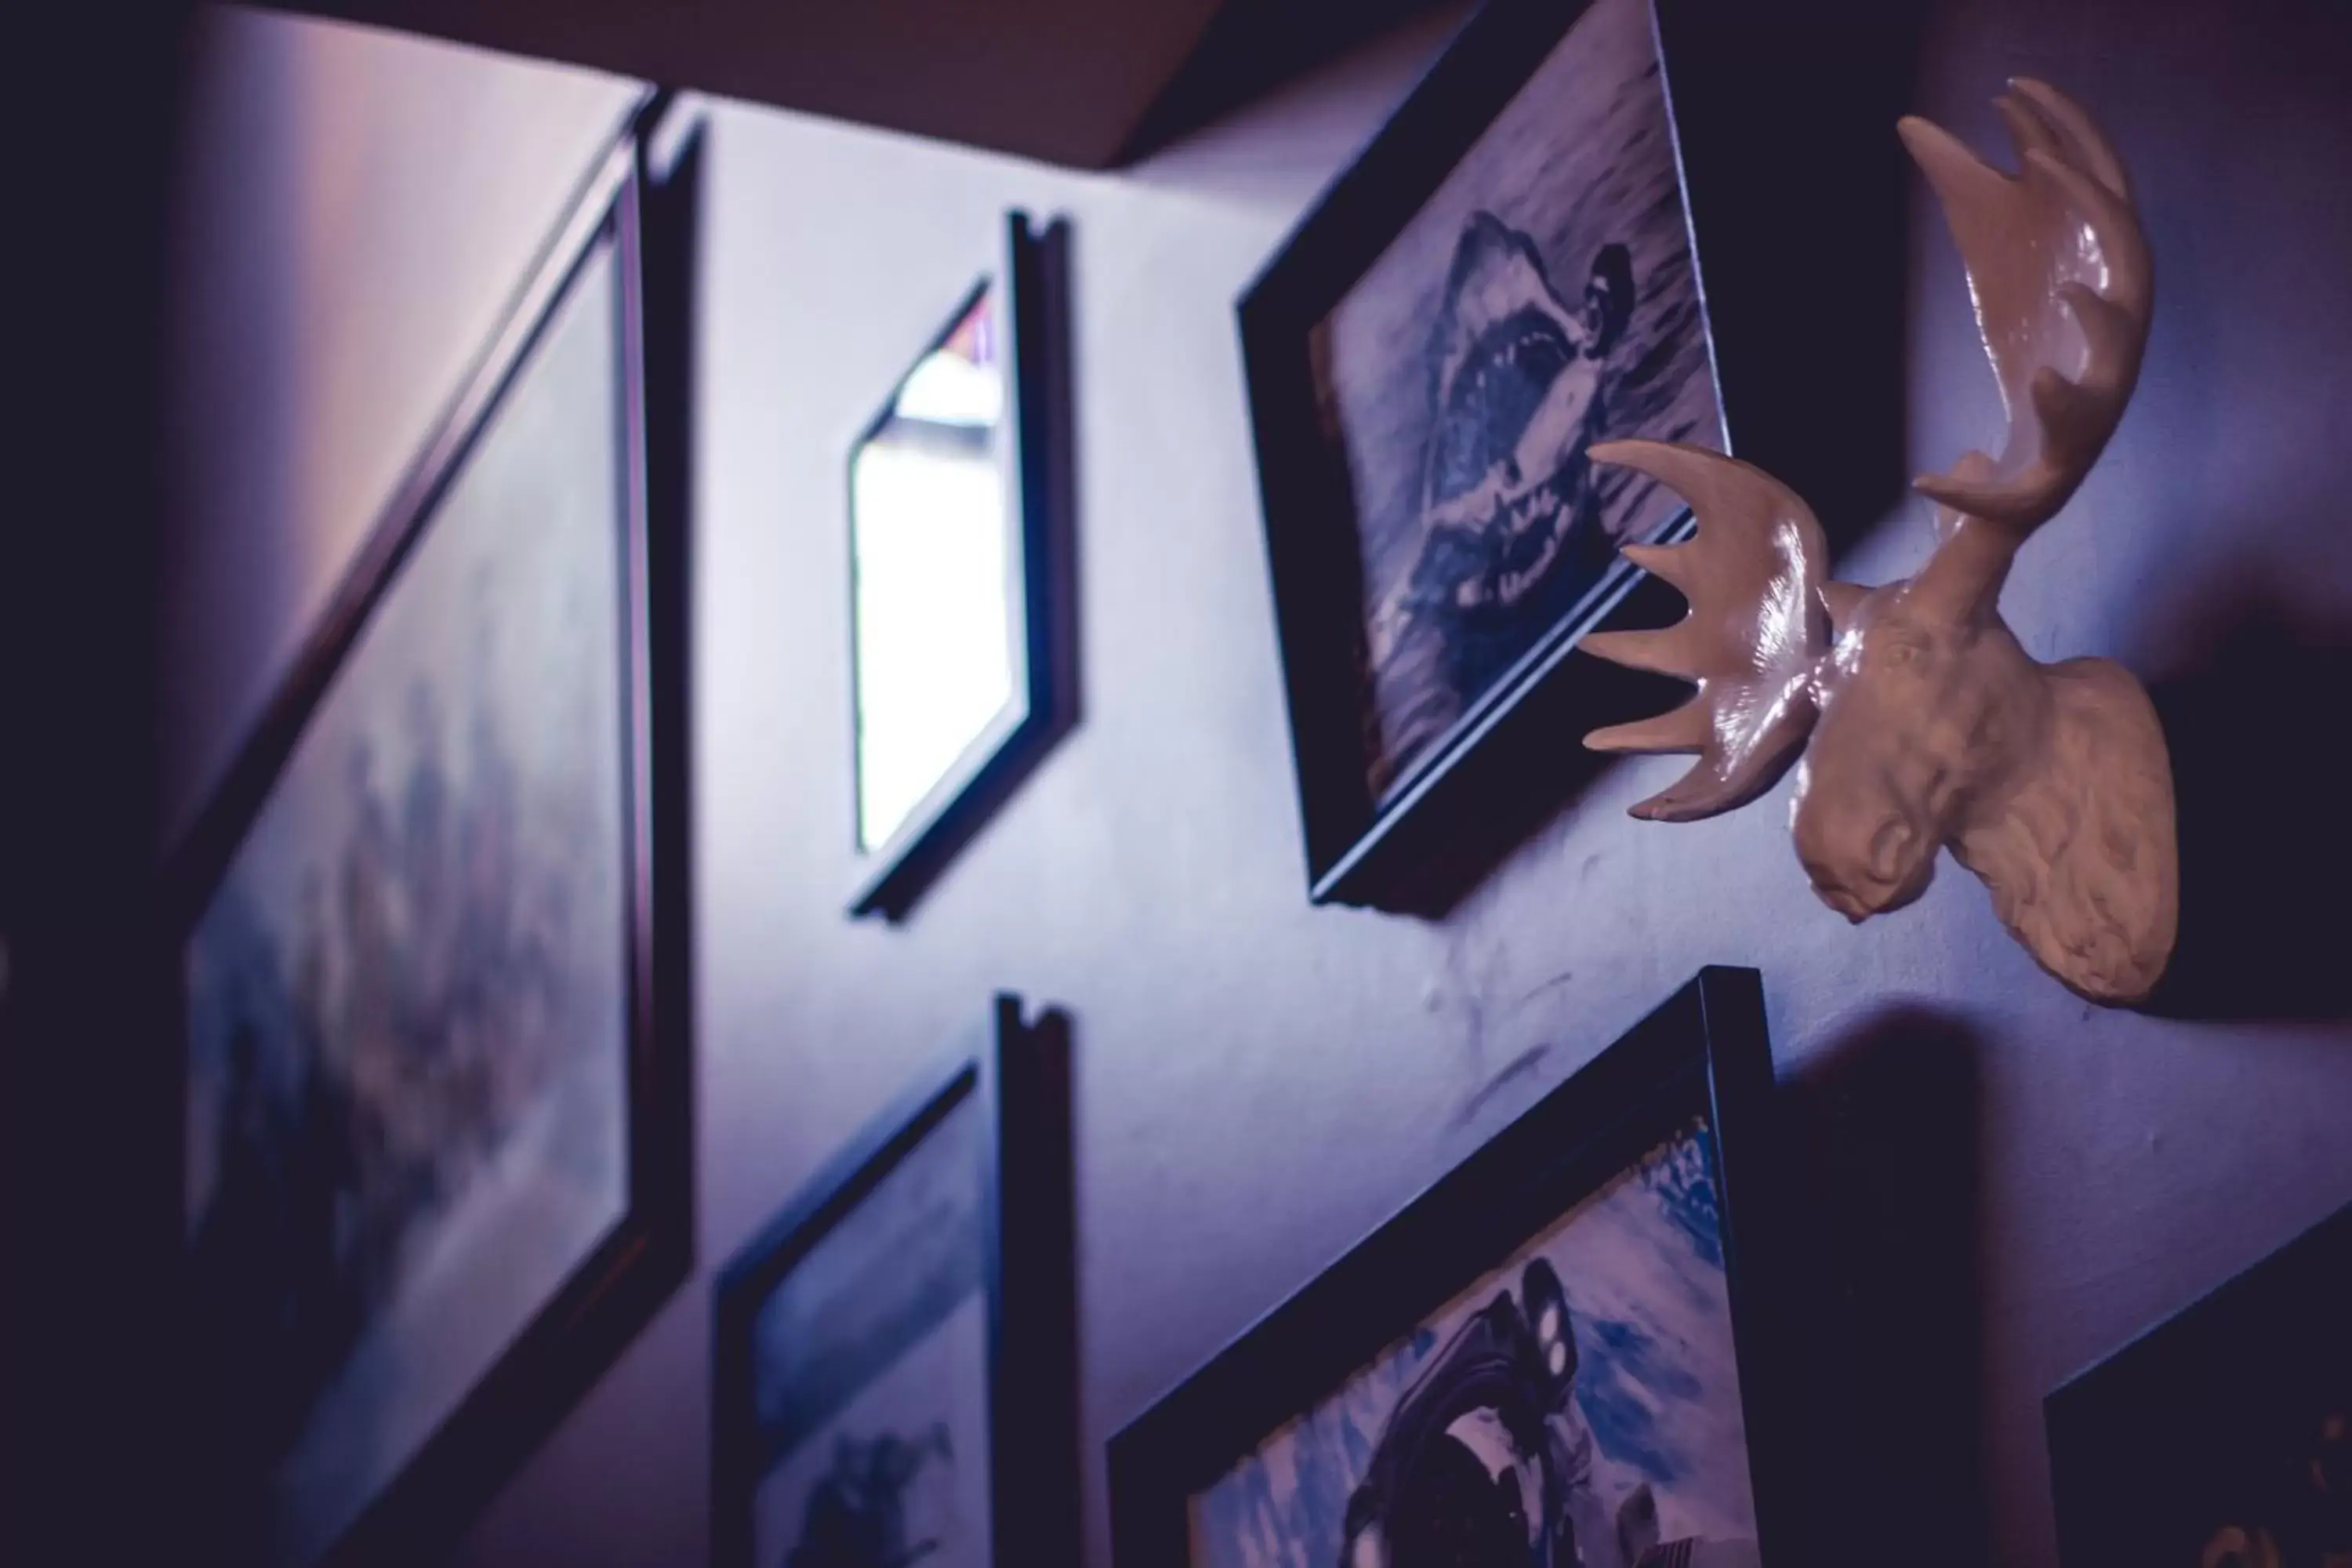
1092,84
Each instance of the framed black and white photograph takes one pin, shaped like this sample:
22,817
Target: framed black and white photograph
963,643
895,1353
1550,1357
2223,1438
1504,276
437,1160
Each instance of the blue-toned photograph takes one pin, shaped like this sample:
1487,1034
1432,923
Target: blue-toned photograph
1577,1407
1544,297
869,1375
408,996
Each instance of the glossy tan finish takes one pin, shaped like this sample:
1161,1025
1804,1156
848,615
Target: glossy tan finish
1755,632
1929,725
2063,290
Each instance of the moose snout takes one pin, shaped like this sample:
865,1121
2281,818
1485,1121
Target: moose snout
1862,873
1837,897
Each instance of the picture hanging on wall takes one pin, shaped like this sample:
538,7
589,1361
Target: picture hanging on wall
436,1160
963,643
2223,1438
894,1355
1504,278
1550,1357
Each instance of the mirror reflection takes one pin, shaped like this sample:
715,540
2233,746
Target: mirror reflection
931,551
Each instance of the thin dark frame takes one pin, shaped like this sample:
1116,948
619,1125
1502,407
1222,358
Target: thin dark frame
1018,1074
1032,273
1704,1050
578,1332
1362,849
2080,1414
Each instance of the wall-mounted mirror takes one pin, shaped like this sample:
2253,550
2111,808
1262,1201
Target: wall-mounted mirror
959,552
938,573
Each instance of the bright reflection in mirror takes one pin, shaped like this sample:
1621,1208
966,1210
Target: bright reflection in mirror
934,627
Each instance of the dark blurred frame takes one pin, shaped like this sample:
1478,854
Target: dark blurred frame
2188,1426
1395,850
643,216
1018,1074
1031,279
1705,1051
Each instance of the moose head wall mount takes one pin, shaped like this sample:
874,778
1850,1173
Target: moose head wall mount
1928,723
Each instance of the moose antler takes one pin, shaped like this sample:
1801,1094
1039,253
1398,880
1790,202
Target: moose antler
1755,628
2059,269
1928,724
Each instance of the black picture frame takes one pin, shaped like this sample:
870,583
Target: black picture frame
2217,1419
1017,1074
1031,273
1705,1051
1415,846
635,208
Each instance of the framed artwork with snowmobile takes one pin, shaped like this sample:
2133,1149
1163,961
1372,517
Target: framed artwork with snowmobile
1552,1356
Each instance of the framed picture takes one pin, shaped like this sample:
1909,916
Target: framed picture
2223,1438
436,1160
895,1376
1550,1357
964,646
1504,276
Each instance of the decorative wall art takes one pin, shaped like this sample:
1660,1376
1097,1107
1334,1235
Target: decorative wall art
2223,1440
436,1159
1928,724
1549,1358
964,648
895,1357
1504,277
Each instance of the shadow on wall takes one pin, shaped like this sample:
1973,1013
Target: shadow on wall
1799,195
1249,50
2265,820
1882,1127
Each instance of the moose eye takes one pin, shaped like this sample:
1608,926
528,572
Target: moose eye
1900,653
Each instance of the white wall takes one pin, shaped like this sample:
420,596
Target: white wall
1261,1081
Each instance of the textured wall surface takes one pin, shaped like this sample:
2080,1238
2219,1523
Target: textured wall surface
2018,1182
